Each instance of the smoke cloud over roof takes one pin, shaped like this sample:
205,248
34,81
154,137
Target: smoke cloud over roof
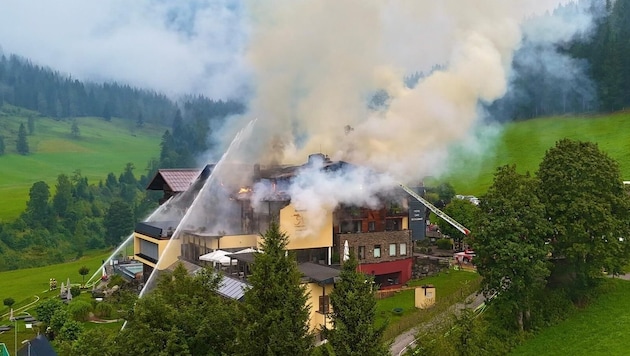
309,69
316,65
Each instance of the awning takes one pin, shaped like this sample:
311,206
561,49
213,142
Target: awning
217,256
247,250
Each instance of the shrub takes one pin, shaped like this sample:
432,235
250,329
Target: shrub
445,244
103,310
59,317
70,331
115,280
47,308
75,291
8,302
98,293
80,310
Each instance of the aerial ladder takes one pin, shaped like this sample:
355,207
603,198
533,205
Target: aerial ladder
435,210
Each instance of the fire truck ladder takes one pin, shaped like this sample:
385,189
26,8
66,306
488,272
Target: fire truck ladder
437,211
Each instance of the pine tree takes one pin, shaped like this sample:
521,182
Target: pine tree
22,143
353,313
118,222
38,212
31,125
275,307
62,200
74,130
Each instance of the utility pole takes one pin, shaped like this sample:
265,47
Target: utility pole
13,319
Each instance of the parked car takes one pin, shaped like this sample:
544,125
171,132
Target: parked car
465,256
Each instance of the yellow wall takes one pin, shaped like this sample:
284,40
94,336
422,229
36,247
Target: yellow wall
165,259
424,297
237,241
316,319
405,223
143,261
228,241
301,236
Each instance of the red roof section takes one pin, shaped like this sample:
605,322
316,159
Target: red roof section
178,180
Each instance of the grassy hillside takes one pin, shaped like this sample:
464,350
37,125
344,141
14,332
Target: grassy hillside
600,329
23,284
524,144
102,147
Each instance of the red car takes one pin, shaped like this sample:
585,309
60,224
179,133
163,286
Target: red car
465,256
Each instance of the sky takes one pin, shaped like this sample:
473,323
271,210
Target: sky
306,68
197,46
175,47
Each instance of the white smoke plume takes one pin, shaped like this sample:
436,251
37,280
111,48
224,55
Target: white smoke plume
316,64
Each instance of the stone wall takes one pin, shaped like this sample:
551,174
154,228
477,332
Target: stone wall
428,266
371,239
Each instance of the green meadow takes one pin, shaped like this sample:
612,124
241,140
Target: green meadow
102,147
447,285
524,143
24,284
602,328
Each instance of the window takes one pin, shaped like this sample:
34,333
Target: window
392,249
393,224
403,249
377,251
324,304
149,249
350,226
372,226
361,252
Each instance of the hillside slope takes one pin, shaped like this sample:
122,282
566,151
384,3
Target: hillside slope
102,147
524,143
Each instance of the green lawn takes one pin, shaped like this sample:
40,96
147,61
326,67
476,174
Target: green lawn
23,284
600,329
524,143
103,147
446,285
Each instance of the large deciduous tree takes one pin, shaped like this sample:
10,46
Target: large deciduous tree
21,144
183,315
510,243
583,191
118,222
464,212
275,307
353,313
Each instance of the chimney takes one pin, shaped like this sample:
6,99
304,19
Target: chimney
315,157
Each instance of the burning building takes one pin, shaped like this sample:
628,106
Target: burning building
232,216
